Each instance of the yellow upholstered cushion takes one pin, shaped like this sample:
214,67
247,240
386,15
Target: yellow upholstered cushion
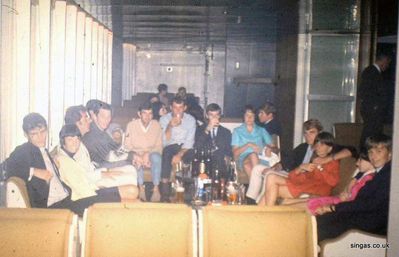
34,232
139,230
257,231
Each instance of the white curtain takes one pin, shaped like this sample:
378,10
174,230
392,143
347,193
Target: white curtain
52,55
128,73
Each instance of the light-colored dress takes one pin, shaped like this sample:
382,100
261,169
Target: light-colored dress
241,136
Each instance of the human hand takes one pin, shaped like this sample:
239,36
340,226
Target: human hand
176,159
176,120
43,174
137,160
254,147
322,160
213,122
308,166
344,196
268,151
146,160
323,209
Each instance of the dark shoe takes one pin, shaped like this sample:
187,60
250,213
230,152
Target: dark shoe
250,201
164,189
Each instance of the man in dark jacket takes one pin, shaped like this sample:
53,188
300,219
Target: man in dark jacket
369,210
216,137
373,97
32,162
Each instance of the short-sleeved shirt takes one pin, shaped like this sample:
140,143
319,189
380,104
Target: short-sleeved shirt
183,134
241,136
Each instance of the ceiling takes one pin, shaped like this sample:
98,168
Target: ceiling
185,21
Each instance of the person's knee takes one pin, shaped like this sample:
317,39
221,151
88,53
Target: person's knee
271,179
258,170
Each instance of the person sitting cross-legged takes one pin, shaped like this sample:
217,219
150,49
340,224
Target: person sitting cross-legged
249,141
144,137
315,178
301,154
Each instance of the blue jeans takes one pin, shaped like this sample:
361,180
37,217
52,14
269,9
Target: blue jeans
156,161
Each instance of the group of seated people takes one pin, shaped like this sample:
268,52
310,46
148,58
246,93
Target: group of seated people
89,166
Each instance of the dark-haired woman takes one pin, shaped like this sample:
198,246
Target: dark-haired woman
316,178
248,141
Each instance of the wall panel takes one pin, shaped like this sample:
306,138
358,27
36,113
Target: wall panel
70,56
46,56
57,71
80,54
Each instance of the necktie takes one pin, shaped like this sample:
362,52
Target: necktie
55,169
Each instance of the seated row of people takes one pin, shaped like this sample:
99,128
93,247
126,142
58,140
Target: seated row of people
89,166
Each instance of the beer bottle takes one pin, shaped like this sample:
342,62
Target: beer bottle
216,187
195,164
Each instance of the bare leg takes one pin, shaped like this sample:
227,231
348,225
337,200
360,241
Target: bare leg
249,162
295,201
275,187
300,205
128,193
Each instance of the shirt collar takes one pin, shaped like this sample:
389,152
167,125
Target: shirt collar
378,67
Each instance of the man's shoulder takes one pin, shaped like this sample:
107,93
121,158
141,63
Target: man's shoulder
370,70
224,129
133,124
166,118
25,147
301,147
189,118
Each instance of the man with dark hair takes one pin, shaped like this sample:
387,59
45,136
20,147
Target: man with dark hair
369,210
373,97
213,135
178,138
193,108
78,116
162,95
93,105
97,141
266,115
32,162
144,138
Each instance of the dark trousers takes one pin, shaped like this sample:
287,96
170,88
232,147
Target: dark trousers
167,156
104,196
373,124
331,226
77,207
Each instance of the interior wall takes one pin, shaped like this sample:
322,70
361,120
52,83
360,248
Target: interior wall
117,69
286,65
181,68
248,59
